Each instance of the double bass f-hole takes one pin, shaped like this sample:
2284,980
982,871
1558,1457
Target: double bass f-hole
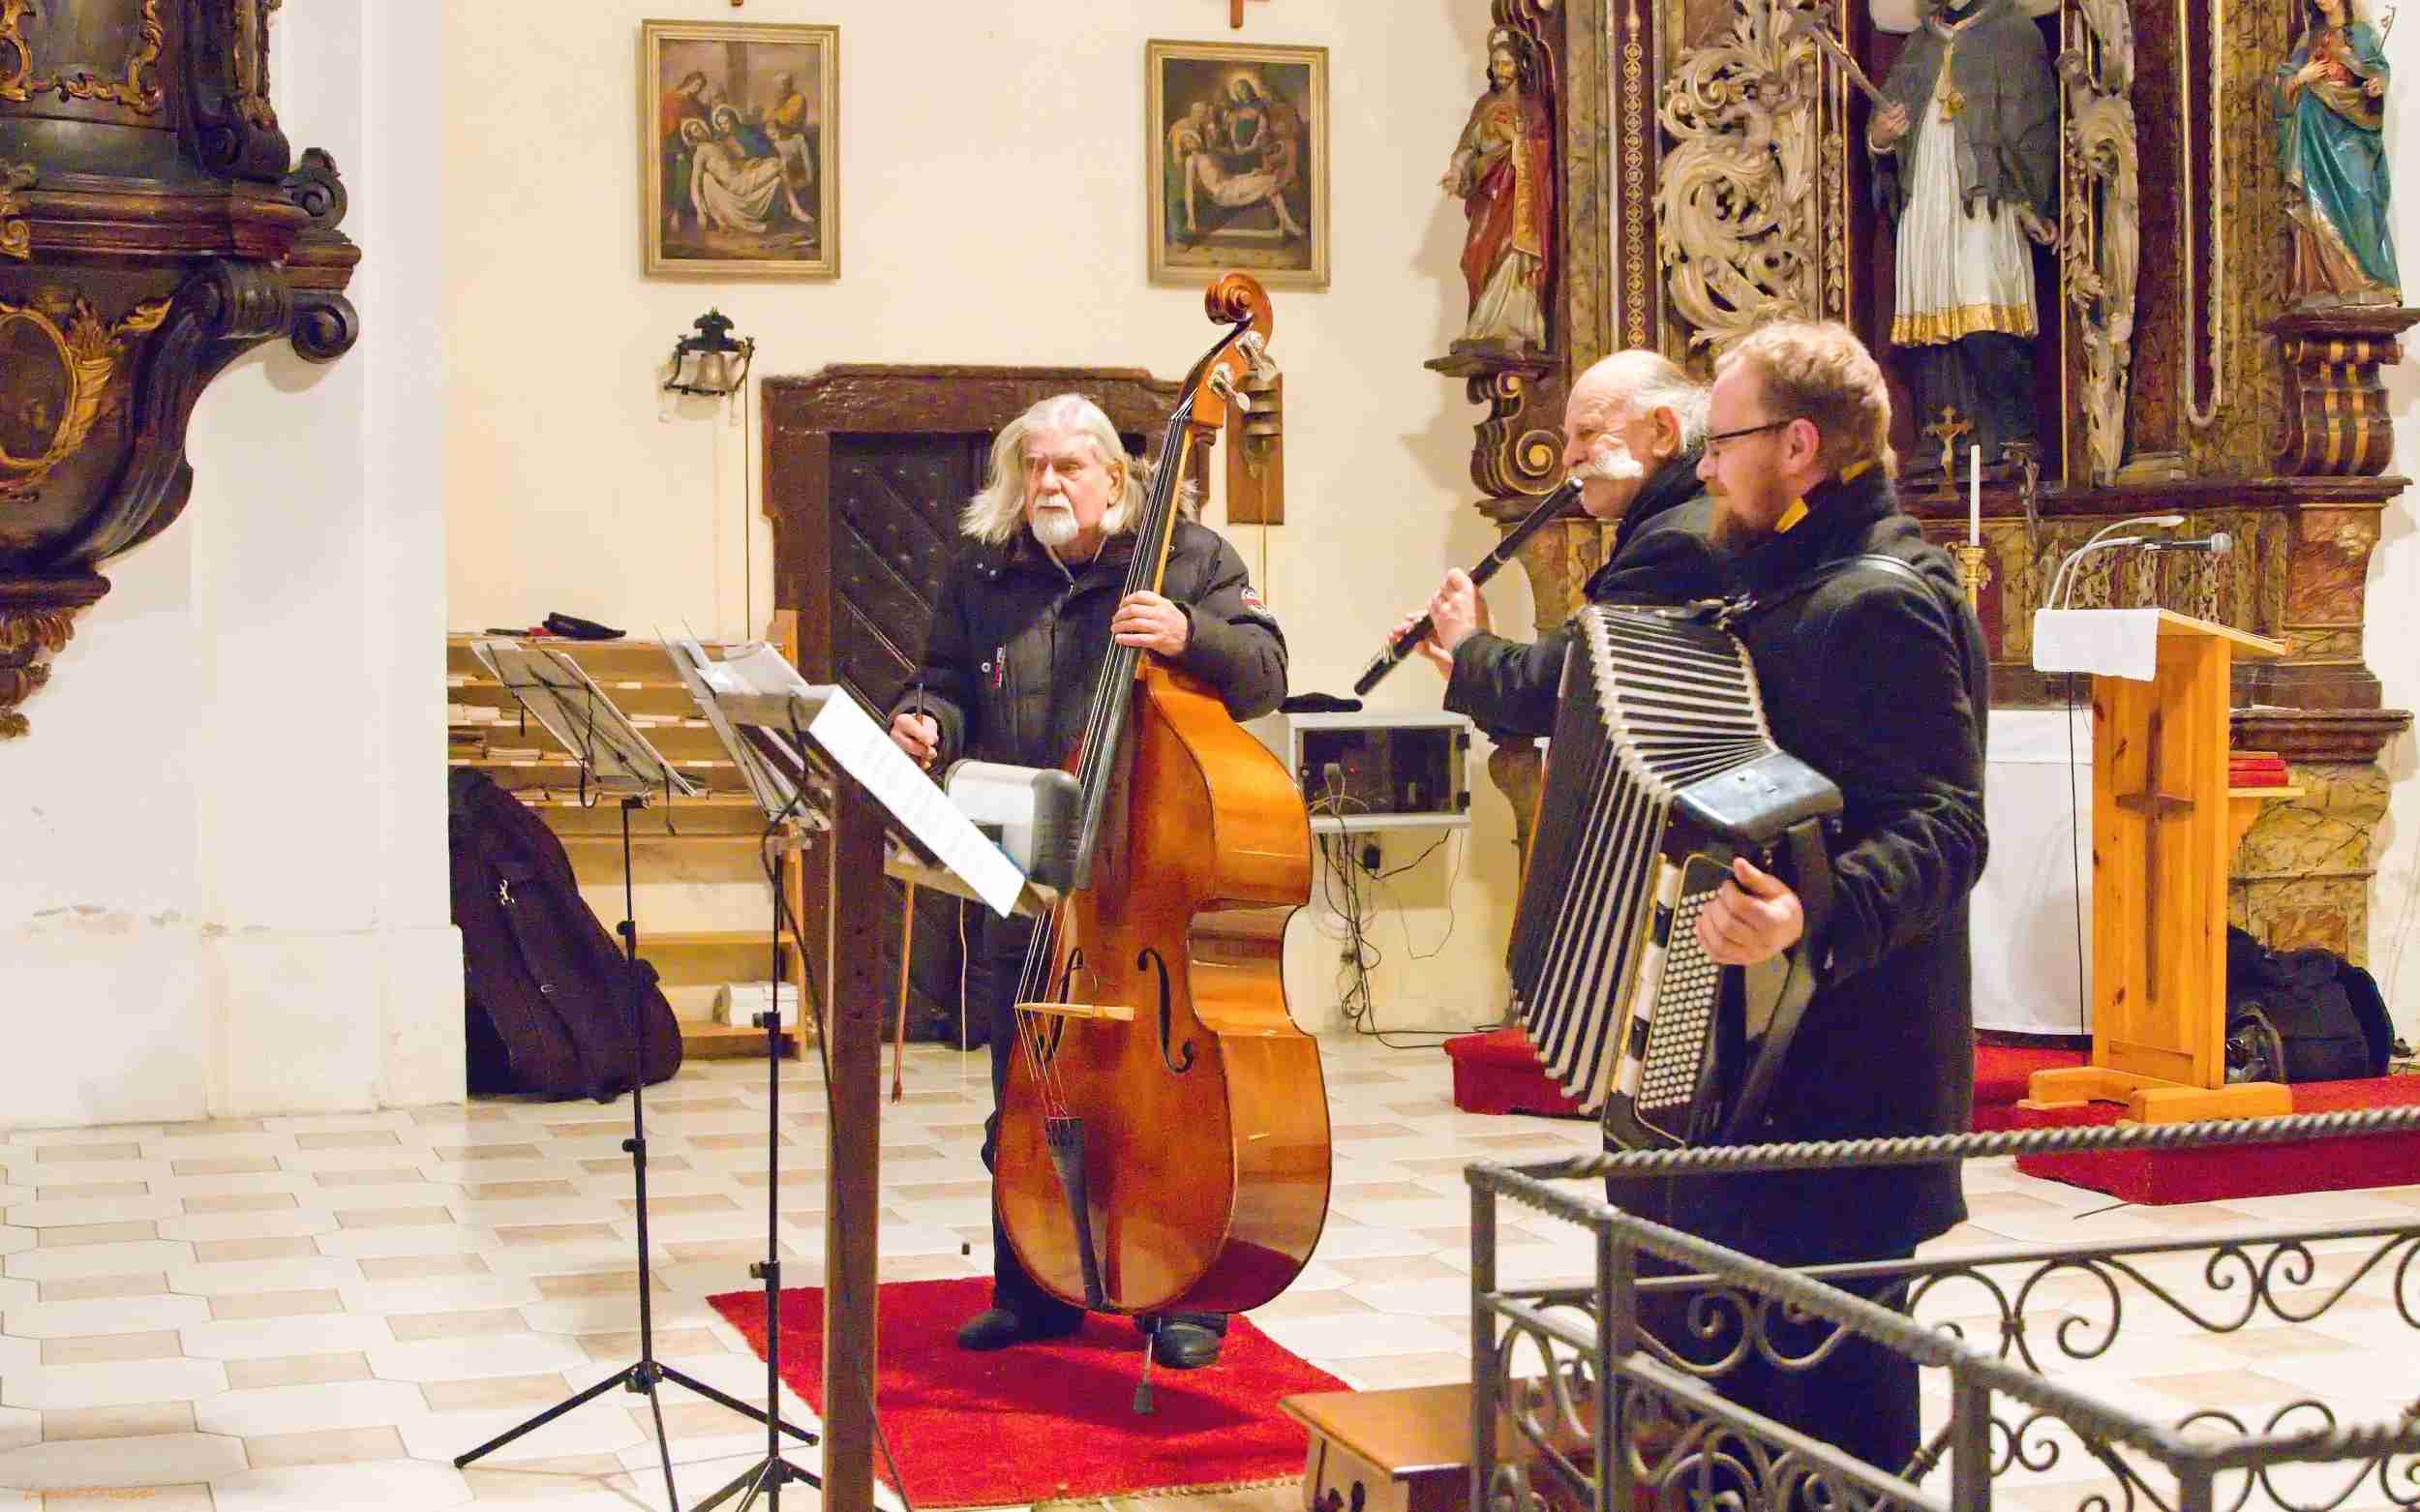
1178,1059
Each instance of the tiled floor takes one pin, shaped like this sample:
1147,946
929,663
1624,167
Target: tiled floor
307,1314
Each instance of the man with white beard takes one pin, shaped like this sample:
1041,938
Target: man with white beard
1632,430
1025,615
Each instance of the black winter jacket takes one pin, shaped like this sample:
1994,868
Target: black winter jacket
1663,554
1017,641
1882,684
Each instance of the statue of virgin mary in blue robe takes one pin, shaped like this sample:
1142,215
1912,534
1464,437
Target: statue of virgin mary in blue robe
2331,141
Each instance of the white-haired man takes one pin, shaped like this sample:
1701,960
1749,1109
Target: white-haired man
1631,430
1024,618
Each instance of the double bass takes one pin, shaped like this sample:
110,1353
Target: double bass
1164,1134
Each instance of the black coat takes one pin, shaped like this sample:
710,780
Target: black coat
1882,684
1017,641
1663,554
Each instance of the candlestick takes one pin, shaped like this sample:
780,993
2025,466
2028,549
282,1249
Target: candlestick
1973,496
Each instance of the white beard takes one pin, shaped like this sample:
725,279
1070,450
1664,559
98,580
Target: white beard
1054,525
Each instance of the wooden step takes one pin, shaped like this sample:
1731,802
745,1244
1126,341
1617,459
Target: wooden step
607,661
704,1039
712,956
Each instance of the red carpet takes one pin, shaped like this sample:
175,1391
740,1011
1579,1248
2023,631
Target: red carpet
1497,1073
1045,1421
2160,1177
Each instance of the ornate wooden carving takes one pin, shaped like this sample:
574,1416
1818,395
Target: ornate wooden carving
2336,423
150,234
1255,454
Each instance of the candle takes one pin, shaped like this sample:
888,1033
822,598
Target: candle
1975,496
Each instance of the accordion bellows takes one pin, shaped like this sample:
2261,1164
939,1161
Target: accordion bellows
1661,769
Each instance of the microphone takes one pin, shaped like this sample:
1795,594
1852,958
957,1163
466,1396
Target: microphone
2218,543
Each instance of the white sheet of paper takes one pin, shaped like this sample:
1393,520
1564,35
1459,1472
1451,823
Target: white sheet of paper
866,751
863,749
2113,643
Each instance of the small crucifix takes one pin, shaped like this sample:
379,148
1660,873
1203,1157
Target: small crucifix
1235,15
1947,430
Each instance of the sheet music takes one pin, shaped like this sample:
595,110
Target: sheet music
575,712
708,681
750,679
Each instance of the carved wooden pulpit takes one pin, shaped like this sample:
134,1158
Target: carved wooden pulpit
2164,828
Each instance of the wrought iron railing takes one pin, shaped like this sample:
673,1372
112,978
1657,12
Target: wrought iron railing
1571,1370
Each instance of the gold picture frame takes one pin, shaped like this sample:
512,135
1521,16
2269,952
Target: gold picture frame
1238,162
739,149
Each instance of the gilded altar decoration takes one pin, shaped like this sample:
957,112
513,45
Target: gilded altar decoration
1503,172
137,264
139,90
62,375
2100,245
1736,211
2331,145
17,238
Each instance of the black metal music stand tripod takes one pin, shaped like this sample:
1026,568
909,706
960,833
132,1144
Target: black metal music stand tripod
613,755
767,1476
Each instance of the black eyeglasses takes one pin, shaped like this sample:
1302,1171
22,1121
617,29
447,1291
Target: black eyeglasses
1715,442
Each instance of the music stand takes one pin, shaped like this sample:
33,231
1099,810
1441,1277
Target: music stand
812,753
615,759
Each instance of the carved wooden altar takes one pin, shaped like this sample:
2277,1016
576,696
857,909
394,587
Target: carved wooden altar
153,228
1717,175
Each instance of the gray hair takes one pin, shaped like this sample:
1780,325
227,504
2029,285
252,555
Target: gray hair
1642,383
998,512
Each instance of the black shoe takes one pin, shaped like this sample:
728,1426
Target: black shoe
1184,1346
997,1328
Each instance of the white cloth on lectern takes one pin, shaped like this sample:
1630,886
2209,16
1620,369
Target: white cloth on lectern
2116,643
2026,921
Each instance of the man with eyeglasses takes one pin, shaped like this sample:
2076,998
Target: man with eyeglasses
1025,615
1631,430
1872,670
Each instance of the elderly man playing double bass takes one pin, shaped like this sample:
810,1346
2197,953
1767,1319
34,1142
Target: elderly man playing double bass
1631,430
1025,615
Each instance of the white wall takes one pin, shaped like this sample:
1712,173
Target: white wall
992,201
2393,614
226,894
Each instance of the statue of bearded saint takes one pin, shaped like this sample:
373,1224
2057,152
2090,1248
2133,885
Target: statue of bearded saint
1503,171
1967,163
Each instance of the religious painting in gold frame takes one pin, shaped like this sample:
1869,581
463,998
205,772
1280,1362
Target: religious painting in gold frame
1238,162
739,149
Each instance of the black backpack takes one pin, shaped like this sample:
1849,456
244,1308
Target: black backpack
549,998
2301,1015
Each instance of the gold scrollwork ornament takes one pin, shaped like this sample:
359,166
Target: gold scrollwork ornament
138,91
88,353
17,238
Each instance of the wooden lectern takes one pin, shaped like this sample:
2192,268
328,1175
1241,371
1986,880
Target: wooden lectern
2164,825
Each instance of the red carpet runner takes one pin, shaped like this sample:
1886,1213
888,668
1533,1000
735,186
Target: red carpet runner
1045,1421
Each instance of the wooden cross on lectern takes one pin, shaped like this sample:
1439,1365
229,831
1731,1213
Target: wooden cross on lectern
2154,808
1235,15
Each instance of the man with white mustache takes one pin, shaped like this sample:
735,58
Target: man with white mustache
1632,430
1024,618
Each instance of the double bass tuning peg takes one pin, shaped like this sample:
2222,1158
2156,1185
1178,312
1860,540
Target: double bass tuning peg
1222,385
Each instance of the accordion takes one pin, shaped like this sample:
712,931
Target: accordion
1660,770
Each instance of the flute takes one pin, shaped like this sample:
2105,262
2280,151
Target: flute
1402,646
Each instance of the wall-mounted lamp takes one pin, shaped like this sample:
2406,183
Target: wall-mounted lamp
704,364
